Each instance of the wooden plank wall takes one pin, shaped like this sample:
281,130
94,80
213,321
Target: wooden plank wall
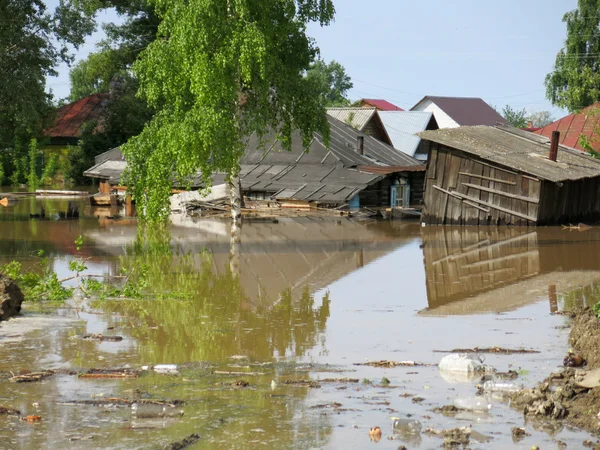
462,189
417,188
462,262
573,202
377,195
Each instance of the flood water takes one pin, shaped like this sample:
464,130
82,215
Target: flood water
308,299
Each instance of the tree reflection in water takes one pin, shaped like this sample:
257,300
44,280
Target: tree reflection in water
194,312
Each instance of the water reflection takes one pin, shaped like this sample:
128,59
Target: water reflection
472,270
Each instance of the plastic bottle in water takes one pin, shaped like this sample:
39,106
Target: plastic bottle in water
406,426
154,410
494,386
473,403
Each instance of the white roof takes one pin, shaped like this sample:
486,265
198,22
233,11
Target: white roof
401,127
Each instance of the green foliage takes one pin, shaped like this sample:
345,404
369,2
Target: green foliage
575,81
540,119
596,309
1,173
517,118
217,73
41,283
32,177
50,170
33,41
334,82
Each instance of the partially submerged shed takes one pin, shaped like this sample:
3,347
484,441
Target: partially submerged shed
502,175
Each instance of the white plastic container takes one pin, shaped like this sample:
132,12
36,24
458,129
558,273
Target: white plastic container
479,404
500,387
166,369
406,426
462,363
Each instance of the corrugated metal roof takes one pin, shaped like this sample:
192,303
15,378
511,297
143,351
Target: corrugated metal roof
518,150
401,127
382,105
573,126
70,118
466,111
355,117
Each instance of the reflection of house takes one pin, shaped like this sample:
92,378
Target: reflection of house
572,127
477,270
293,254
502,175
452,112
355,169
379,104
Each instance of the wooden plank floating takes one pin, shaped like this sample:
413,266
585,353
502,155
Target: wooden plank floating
505,194
495,180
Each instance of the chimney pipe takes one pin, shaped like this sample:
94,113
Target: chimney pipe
360,145
554,146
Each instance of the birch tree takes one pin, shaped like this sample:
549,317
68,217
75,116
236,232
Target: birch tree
219,71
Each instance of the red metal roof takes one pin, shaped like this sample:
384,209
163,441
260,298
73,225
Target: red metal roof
575,125
382,105
70,118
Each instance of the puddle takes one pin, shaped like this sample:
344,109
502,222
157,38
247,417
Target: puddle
268,359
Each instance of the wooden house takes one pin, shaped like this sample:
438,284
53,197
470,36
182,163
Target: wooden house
355,170
365,120
502,175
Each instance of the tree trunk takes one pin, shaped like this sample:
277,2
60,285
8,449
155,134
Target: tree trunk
235,195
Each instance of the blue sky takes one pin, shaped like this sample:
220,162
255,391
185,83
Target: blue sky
401,50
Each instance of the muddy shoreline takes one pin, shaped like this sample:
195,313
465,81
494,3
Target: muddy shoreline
565,396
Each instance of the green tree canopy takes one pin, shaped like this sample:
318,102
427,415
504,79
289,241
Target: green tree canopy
575,81
218,72
334,80
540,119
117,52
517,118
33,42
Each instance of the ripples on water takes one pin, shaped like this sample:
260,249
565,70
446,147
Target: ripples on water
310,298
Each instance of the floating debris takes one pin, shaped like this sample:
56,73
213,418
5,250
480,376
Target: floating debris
102,337
494,350
184,443
165,369
519,434
32,419
334,405
9,411
31,377
391,364
573,360
375,434
146,410
302,383
110,373
112,401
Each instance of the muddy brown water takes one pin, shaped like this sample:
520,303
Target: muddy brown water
311,298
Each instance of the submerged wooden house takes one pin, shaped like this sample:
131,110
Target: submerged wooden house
501,175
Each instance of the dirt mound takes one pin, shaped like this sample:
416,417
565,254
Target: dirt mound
560,397
11,298
585,336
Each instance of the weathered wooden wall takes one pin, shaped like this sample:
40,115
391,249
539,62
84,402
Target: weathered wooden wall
573,202
376,195
462,189
417,188
463,262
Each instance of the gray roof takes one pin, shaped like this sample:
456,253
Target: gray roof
321,174
401,127
518,150
466,111
355,117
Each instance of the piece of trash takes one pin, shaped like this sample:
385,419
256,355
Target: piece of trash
165,369
184,443
519,434
375,434
406,426
493,386
273,385
31,419
573,360
154,410
494,350
460,368
480,403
